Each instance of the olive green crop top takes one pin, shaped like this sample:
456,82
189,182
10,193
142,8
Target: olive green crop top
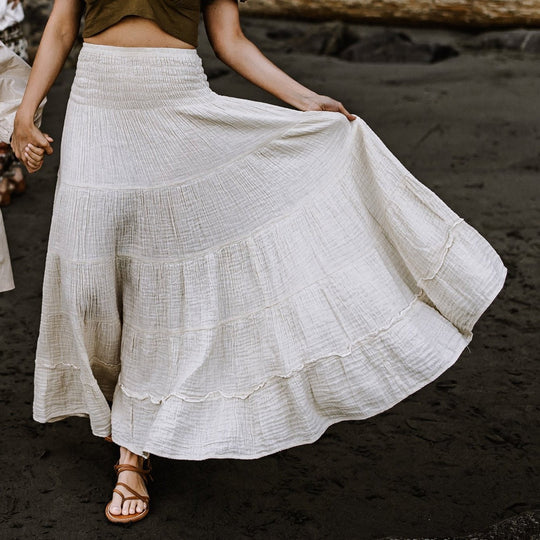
180,18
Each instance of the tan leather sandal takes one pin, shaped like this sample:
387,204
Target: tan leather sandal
145,473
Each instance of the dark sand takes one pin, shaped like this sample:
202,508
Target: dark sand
456,457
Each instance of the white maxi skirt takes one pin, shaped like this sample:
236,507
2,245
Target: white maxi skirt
227,278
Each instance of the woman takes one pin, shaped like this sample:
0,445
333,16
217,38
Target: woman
225,277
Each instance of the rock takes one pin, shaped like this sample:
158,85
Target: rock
339,39
519,39
326,38
284,33
394,46
524,526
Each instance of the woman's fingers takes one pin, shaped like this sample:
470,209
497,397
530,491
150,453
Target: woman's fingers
337,106
34,152
30,145
344,111
326,103
45,142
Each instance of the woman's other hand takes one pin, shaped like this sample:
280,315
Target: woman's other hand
317,102
233,48
30,145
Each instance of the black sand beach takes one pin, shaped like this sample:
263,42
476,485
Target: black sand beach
452,460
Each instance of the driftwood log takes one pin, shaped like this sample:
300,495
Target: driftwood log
479,13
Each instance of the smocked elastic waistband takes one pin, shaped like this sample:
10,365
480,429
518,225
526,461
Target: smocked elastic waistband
110,76
138,51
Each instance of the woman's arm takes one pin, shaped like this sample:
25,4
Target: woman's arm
27,141
222,23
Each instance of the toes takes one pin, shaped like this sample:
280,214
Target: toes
115,505
132,506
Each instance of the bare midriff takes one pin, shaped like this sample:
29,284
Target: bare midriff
135,31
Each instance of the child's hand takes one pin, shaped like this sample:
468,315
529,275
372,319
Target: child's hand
30,145
33,156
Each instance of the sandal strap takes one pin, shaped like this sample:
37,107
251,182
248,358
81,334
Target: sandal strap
144,498
121,467
121,495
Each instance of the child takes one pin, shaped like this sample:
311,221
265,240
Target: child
11,175
11,171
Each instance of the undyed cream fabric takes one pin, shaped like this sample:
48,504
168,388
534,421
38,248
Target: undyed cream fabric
6,272
10,15
226,278
14,73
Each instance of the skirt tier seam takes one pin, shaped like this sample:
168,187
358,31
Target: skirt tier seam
366,337
213,250
245,315
217,393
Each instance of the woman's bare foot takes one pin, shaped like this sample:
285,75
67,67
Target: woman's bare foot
134,481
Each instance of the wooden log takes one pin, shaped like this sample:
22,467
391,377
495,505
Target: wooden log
479,13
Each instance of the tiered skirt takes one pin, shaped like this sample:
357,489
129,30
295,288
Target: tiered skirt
227,278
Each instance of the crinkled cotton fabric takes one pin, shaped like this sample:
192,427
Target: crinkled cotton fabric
10,15
13,80
6,272
226,278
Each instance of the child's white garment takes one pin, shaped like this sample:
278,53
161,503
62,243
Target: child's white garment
6,274
8,90
14,73
10,15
